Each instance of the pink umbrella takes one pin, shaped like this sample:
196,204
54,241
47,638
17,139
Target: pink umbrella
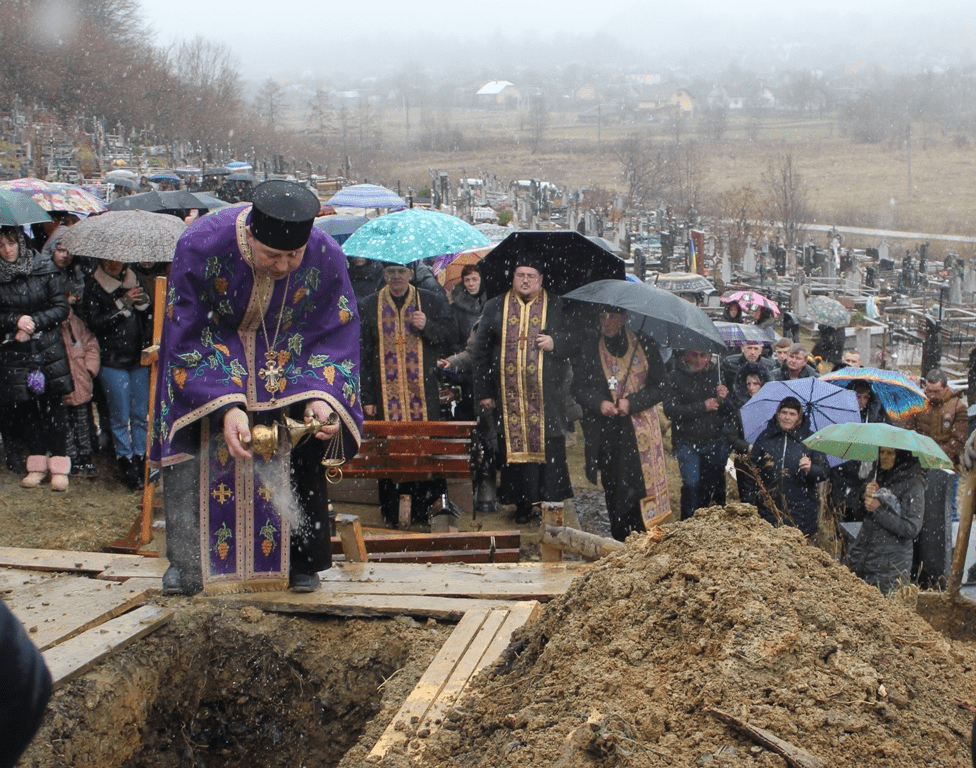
751,300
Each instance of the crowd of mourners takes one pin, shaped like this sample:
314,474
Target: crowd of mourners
528,366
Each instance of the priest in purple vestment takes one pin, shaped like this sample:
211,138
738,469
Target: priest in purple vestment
260,323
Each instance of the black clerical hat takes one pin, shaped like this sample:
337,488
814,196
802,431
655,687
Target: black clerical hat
283,214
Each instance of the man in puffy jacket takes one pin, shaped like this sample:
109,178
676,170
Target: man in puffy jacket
696,402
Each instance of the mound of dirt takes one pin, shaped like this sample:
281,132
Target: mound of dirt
726,612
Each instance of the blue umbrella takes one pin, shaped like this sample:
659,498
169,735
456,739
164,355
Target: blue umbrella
410,235
367,196
823,404
340,227
164,177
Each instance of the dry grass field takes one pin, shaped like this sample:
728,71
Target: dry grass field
862,185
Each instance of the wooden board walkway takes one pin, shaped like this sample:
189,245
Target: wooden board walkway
477,641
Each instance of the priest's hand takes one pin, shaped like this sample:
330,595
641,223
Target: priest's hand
623,406
969,453
321,411
418,320
544,342
237,433
608,409
487,404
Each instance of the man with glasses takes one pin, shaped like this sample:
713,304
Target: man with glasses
521,367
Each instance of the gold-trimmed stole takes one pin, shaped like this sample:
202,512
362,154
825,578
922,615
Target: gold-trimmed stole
401,353
522,365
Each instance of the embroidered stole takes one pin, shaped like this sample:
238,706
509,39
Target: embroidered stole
522,365
401,353
243,537
647,426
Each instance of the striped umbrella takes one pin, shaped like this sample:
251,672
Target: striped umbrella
739,334
367,196
900,397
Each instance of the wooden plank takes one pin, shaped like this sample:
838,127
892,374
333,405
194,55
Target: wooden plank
519,614
124,567
15,578
55,610
506,581
551,515
60,560
446,556
435,542
76,656
459,429
431,683
361,606
351,538
399,474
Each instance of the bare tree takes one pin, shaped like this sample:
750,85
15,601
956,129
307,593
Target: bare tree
268,102
739,212
321,117
786,197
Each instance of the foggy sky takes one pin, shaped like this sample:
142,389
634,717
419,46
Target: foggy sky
290,39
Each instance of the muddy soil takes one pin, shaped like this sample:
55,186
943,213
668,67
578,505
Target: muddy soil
726,612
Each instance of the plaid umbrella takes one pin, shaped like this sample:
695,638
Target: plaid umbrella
367,196
823,403
739,334
751,300
410,235
126,236
826,311
859,441
57,196
900,397
18,209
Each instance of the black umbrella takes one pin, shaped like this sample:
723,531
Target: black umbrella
242,177
144,201
668,319
569,260
217,170
180,200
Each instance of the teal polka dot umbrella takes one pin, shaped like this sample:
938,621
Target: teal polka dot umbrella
410,235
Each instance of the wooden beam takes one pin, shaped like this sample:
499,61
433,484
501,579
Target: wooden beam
55,610
351,535
75,656
550,551
61,560
361,606
445,556
587,545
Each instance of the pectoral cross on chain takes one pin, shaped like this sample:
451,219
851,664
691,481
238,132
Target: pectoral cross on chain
612,383
272,373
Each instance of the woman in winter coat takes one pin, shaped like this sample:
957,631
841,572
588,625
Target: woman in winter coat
789,471
894,504
467,301
34,372
847,479
749,379
116,310
732,313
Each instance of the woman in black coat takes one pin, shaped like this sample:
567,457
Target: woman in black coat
789,471
116,309
34,369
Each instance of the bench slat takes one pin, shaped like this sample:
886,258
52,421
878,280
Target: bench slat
414,446
437,541
461,556
458,429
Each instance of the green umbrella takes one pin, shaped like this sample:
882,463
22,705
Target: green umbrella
856,440
18,209
410,235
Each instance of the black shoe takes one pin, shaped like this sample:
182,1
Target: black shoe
172,583
129,474
303,582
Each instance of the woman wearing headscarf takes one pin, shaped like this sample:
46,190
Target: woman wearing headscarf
116,309
34,371
749,379
788,470
732,313
894,504
848,478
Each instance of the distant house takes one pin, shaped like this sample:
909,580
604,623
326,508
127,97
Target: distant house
587,92
500,92
643,78
654,99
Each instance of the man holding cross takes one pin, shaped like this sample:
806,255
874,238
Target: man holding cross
618,382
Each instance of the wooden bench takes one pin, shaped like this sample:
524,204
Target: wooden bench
460,547
412,450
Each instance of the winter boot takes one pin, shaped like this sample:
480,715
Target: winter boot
128,473
36,471
60,467
139,466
